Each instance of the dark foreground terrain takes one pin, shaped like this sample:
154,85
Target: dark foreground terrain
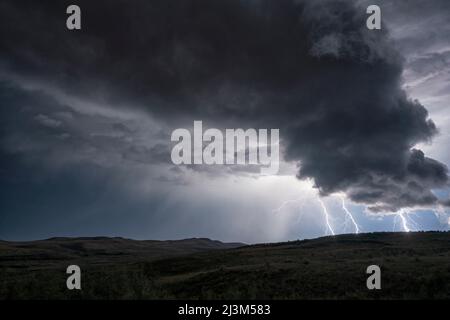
414,266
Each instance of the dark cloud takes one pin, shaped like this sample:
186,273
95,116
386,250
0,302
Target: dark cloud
48,132
310,68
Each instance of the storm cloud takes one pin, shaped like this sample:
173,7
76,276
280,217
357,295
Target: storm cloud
310,68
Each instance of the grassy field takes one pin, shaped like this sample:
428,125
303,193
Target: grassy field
413,265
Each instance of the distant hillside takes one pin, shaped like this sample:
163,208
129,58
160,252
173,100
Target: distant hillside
414,265
99,250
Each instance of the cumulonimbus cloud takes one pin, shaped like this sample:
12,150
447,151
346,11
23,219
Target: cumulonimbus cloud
310,68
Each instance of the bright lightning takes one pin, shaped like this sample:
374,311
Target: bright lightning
407,222
404,222
327,216
349,214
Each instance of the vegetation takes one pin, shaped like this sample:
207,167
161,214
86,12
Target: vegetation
414,266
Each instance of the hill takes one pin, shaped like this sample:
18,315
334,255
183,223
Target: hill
414,265
99,250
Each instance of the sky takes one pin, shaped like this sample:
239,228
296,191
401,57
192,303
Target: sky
87,116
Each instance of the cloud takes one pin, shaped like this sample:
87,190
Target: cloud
310,68
47,121
46,131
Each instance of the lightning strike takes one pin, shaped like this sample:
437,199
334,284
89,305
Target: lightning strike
327,216
349,214
404,222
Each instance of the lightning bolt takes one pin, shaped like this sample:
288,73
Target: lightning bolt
284,204
407,223
412,222
327,216
404,221
349,214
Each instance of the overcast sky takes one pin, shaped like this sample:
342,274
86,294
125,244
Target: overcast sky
86,117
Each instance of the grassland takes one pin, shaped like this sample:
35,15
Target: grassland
414,266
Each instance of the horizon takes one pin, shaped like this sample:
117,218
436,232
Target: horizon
100,237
